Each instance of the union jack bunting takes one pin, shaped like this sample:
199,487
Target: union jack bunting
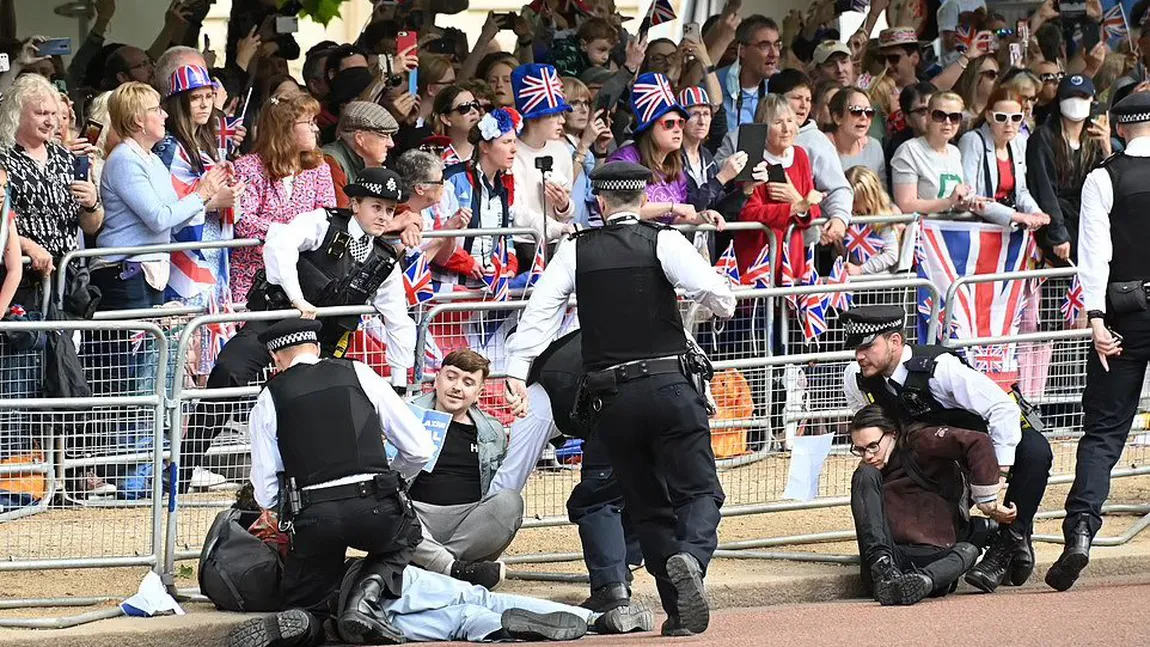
662,12
220,332
417,282
1073,304
728,265
649,94
759,273
862,243
841,301
545,90
498,276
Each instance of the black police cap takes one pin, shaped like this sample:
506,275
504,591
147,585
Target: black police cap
864,324
291,332
1134,109
377,182
620,176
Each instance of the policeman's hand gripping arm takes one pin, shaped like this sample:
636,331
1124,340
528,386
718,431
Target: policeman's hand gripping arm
516,394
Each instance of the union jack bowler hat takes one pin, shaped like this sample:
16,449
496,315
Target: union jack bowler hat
538,91
864,324
651,98
189,77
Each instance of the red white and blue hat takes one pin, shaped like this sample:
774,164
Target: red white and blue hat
694,96
189,77
538,91
651,98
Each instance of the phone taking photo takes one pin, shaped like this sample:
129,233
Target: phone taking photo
55,47
92,130
752,141
692,31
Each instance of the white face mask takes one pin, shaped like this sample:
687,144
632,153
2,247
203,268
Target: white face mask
1075,108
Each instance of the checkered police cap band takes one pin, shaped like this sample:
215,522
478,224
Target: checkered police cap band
1133,118
301,337
619,185
862,328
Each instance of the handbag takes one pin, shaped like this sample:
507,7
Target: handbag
1125,297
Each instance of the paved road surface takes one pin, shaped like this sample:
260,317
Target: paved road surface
1112,613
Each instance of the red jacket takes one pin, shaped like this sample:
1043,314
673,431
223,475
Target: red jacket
777,216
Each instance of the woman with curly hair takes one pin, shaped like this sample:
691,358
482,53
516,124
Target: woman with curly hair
285,176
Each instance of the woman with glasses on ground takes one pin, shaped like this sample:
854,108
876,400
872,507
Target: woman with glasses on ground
852,114
975,86
994,162
926,172
453,115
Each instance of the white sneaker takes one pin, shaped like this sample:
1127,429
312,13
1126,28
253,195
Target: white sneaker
101,490
203,478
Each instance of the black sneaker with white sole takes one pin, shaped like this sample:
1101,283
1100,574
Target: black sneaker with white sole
521,624
291,628
687,577
624,620
489,575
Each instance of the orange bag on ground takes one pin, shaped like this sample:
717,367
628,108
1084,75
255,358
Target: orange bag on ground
733,401
33,485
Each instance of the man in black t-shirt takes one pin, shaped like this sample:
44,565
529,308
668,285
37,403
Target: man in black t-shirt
465,528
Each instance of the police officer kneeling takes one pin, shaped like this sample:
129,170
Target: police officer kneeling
931,385
643,387
317,451
1115,271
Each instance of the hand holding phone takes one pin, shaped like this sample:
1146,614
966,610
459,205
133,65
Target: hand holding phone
92,130
55,47
752,141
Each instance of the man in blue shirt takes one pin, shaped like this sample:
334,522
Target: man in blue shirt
744,82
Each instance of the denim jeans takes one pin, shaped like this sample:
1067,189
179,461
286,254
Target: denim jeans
21,373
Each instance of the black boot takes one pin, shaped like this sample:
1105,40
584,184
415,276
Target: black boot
1021,559
989,573
1075,556
892,587
521,624
686,576
624,620
362,619
291,628
607,597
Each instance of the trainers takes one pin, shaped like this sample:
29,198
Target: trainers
521,624
687,577
94,486
624,620
673,628
489,575
203,479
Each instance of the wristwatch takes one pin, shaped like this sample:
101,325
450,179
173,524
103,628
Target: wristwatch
93,208
1095,314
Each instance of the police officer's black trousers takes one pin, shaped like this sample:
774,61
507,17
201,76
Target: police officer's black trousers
656,432
382,526
942,565
1028,477
1108,405
606,531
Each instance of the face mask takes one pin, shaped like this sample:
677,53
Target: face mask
1075,109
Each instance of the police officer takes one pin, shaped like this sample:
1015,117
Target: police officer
932,385
640,386
325,257
317,434
1114,270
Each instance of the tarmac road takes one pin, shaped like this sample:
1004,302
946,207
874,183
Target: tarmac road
1099,612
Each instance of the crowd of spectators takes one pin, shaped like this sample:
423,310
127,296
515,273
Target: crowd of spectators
199,148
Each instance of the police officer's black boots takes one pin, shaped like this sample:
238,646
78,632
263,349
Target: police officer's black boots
999,562
607,597
291,628
362,619
1075,556
686,576
892,587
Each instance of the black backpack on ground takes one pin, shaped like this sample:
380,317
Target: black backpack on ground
238,571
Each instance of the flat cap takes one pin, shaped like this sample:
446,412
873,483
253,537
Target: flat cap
291,332
865,323
376,182
620,176
365,115
1134,109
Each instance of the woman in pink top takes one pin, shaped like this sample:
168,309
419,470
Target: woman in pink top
285,176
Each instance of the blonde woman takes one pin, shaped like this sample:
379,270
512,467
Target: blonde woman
871,199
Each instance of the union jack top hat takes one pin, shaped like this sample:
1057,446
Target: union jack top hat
538,91
189,77
651,98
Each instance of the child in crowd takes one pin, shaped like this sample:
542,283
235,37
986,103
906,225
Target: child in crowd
871,200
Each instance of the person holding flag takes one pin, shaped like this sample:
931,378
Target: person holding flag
870,249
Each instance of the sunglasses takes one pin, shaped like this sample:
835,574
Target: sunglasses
672,124
921,110
1003,117
868,450
941,117
1052,77
465,108
860,111
893,59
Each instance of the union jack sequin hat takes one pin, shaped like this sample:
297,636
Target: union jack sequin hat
189,77
651,98
538,91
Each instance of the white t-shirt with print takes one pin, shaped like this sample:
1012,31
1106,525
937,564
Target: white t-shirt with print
936,174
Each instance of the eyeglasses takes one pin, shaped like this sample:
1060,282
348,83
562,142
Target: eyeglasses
465,108
672,124
1003,117
767,45
1052,77
580,104
893,59
989,75
861,111
940,117
869,449
308,122
432,182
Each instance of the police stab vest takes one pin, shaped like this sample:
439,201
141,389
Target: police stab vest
914,402
558,370
327,426
627,307
1129,225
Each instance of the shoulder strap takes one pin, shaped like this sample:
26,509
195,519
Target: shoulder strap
986,165
914,471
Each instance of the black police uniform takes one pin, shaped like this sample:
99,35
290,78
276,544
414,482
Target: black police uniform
1116,292
328,276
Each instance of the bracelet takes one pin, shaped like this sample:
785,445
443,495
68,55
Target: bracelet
92,209
710,69
1095,314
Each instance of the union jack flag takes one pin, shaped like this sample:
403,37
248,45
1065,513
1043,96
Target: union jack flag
812,307
662,12
498,276
539,89
1114,22
537,267
417,283
728,265
220,332
862,243
1073,305
989,359
841,301
191,272
650,93
229,128
759,273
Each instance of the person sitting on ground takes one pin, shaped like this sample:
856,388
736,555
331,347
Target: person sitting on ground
912,536
465,526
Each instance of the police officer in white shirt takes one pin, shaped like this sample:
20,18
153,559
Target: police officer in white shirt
1114,270
317,434
931,385
640,389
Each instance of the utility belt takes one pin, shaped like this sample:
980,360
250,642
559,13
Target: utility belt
294,500
593,386
1125,297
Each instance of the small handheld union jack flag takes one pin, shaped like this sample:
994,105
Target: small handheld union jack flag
498,276
417,279
728,265
1114,23
841,301
537,267
229,127
1073,305
862,243
759,273
662,12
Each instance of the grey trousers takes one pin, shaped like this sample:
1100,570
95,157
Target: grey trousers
469,532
